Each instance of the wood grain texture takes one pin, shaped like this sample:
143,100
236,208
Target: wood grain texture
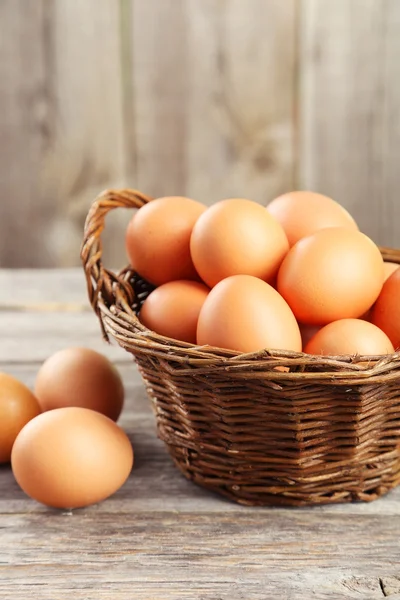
87,150
240,112
34,339
28,288
25,108
61,127
349,99
164,555
210,99
160,536
161,80
214,97
52,307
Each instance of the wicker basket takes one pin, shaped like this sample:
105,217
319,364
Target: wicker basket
270,428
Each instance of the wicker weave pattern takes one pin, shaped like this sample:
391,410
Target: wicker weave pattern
272,427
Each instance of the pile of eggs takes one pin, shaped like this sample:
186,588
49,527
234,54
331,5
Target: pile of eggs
297,275
65,448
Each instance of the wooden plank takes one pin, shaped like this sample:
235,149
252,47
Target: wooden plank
42,311
33,336
349,97
61,128
35,288
43,290
214,113
241,105
390,205
25,109
293,555
87,151
160,76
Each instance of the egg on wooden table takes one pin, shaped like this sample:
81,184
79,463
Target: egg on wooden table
71,458
303,213
80,377
18,406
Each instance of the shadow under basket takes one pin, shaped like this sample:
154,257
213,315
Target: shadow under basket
270,428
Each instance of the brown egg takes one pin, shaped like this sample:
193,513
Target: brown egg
336,273
246,314
71,457
237,237
158,239
80,377
349,336
173,309
17,407
386,312
303,213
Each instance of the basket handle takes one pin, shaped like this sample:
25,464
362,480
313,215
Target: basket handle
101,281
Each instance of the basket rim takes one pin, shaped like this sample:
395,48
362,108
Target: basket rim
122,324
112,297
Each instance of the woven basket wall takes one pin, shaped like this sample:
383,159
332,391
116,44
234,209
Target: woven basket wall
277,428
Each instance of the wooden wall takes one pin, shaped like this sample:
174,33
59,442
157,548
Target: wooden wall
205,98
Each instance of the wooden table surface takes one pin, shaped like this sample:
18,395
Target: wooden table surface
161,537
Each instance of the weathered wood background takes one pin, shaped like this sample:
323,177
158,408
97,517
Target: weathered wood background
205,98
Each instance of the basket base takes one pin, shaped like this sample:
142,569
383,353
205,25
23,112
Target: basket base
341,487
285,445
